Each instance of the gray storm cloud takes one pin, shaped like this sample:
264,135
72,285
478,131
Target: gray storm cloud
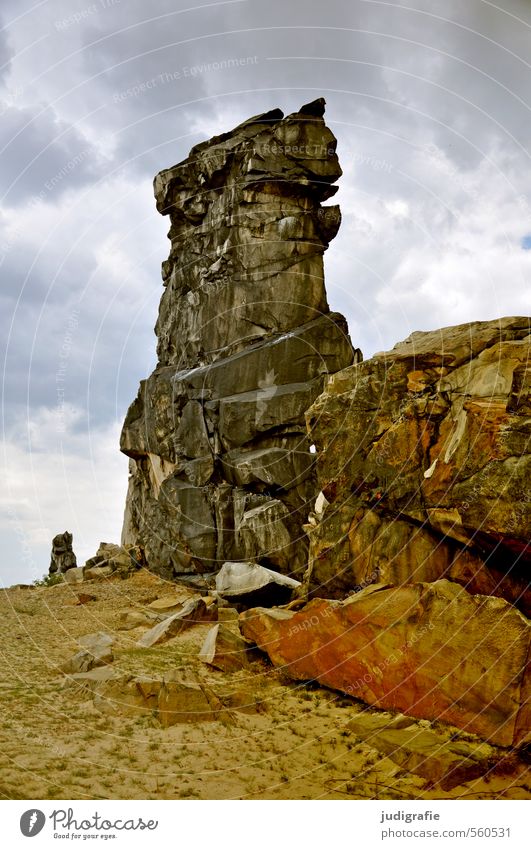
431,110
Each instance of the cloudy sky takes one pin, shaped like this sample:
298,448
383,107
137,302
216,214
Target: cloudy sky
430,101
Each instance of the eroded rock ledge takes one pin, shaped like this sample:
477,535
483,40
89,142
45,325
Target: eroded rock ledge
220,462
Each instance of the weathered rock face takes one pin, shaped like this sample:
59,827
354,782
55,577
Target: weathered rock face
62,557
220,461
424,457
430,650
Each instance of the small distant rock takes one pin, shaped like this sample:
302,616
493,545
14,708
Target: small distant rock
224,650
62,558
85,598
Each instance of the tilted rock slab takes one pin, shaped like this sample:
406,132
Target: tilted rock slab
224,649
171,699
430,650
220,462
424,456
180,696
195,610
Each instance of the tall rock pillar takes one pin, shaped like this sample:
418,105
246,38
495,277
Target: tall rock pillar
221,467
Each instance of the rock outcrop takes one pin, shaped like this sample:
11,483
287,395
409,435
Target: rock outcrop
424,460
62,557
220,462
430,650
418,509
224,649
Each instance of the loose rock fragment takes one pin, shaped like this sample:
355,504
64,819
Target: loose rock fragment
224,649
96,650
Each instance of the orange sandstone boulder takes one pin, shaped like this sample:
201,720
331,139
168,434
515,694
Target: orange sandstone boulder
430,650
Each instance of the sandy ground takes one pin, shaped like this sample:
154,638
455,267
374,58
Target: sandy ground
56,745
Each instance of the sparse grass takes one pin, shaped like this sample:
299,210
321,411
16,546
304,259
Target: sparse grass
49,580
24,610
188,793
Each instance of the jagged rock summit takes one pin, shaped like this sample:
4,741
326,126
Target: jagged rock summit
221,468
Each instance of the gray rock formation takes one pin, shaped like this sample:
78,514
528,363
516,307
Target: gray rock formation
62,557
220,462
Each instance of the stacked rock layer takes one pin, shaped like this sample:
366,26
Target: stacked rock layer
221,467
